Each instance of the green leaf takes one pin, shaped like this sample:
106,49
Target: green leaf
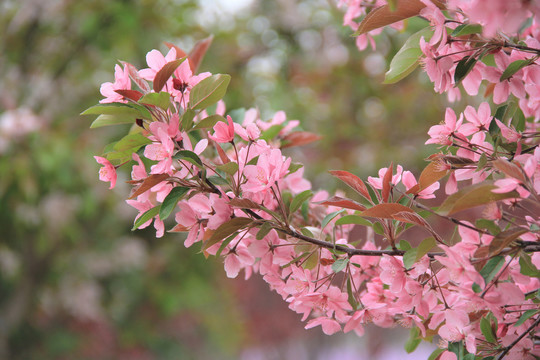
413,341
227,229
488,225
407,58
150,214
353,219
339,265
425,246
230,168
472,196
299,199
209,122
160,99
457,348
487,331
264,230
189,156
108,120
170,201
491,268
526,316
476,288
350,295
527,267
124,148
409,258
329,218
466,29
464,67
514,67
224,244
518,120
271,132
435,354
208,91
187,120
133,110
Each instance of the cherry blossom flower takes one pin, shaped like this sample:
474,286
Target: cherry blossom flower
121,82
107,172
223,133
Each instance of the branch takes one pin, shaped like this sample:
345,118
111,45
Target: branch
509,347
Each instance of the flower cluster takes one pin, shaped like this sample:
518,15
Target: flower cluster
224,178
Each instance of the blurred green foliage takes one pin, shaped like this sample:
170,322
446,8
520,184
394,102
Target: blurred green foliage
74,281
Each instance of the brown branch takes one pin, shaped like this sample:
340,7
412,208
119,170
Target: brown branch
509,347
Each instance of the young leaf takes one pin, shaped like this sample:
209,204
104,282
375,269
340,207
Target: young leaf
505,238
487,331
165,73
271,132
187,120
472,196
299,138
148,183
466,29
329,218
130,94
413,341
464,67
353,219
407,58
431,174
196,54
133,110
264,230
150,214
492,267
385,211
108,120
339,265
244,203
526,316
299,199
224,244
189,156
353,181
229,168
161,99
344,203
227,229
209,121
387,183
409,258
514,67
209,91
527,267
170,201
384,15
124,148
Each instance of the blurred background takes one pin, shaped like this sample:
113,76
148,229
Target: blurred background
75,282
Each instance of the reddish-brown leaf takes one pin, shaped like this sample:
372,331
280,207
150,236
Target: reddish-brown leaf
510,169
414,218
244,203
165,73
196,54
383,15
432,173
344,203
179,228
224,158
148,183
179,52
387,183
299,138
130,94
353,181
227,229
385,211
505,238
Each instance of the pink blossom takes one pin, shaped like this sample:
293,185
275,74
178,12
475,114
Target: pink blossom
121,82
329,326
184,81
156,61
162,150
107,172
409,181
478,121
144,206
445,134
392,273
376,182
271,167
223,133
